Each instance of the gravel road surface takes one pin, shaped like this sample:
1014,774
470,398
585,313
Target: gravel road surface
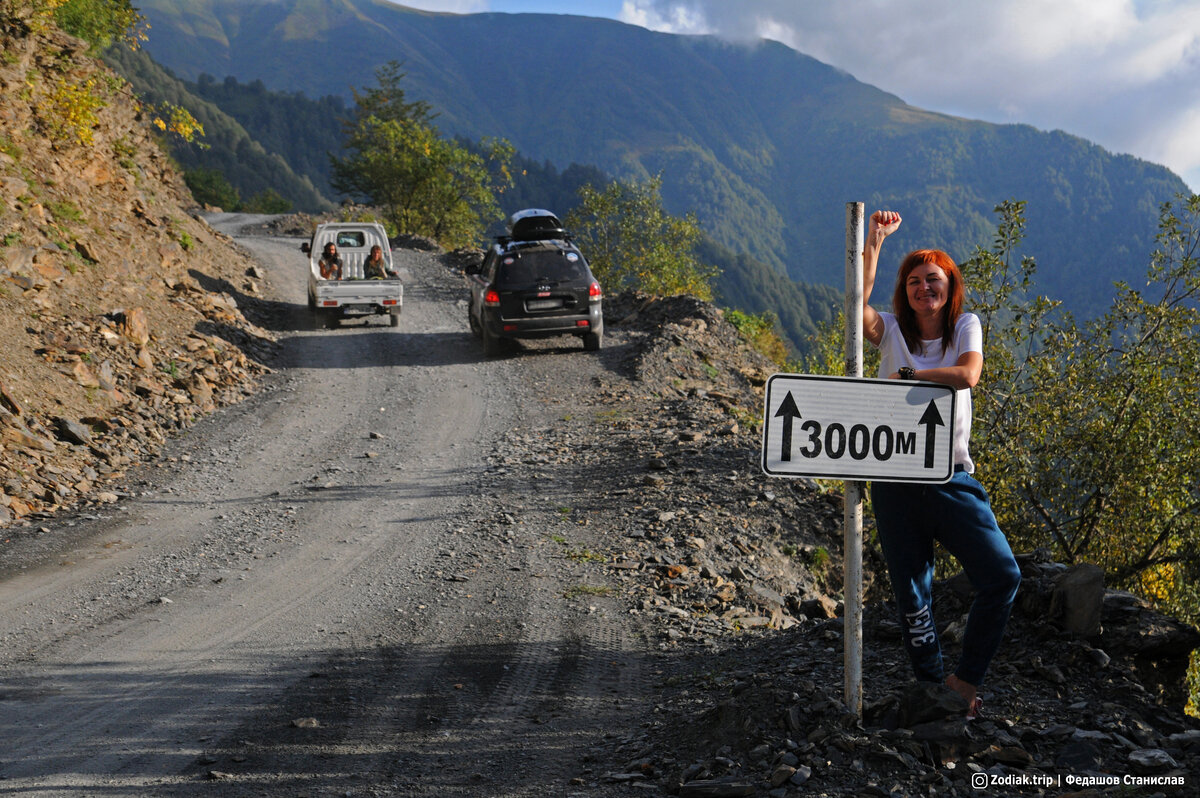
313,593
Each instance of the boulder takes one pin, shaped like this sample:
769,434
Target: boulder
1077,601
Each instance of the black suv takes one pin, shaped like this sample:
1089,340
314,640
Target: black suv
534,283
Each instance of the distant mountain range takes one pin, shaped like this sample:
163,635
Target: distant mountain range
765,144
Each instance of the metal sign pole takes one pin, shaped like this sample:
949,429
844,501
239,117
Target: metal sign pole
853,493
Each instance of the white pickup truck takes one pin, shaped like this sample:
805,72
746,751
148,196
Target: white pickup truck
353,295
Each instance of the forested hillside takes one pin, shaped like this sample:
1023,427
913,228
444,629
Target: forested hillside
226,146
763,143
303,131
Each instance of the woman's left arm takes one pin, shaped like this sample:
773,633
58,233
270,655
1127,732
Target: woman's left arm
963,374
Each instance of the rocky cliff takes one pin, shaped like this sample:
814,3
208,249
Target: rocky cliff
117,305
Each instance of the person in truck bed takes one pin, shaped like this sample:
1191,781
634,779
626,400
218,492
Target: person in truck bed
330,264
375,267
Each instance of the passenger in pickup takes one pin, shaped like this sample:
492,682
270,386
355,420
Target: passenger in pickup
330,264
375,267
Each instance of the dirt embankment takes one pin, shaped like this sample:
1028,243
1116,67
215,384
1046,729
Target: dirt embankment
120,310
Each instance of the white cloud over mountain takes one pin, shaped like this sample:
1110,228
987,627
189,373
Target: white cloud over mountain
1123,73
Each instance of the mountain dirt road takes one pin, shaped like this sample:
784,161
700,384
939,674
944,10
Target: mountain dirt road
326,590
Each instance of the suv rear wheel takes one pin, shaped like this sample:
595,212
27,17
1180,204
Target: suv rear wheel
591,341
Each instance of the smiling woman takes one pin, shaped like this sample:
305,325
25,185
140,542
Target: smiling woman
929,337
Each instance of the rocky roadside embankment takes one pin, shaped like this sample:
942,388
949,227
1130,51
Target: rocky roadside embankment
121,312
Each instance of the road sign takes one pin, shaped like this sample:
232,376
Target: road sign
858,429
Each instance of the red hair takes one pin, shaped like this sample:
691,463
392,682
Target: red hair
954,296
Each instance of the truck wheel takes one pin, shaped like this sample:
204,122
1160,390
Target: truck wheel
591,341
333,321
394,319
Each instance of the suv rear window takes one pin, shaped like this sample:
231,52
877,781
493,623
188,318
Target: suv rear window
540,266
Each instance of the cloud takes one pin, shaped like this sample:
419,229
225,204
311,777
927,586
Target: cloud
1123,73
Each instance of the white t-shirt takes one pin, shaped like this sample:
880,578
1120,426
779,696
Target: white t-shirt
968,337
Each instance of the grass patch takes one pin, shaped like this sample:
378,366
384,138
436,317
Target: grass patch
65,211
746,418
611,416
9,148
585,555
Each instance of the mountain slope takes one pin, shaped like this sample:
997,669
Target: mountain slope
225,146
764,143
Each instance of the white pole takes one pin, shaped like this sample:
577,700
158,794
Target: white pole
852,514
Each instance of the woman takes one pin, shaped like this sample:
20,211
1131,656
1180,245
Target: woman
375,267
929,337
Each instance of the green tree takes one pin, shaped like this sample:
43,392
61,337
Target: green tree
210,187
1090,433
267,201
425,185
387,101
632,242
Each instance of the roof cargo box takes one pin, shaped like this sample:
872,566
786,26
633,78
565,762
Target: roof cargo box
535,224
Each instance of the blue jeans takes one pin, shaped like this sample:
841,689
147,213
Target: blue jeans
910,517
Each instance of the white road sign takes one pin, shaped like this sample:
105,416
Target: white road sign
858,429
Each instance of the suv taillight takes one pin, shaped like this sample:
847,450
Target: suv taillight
594,292
491,299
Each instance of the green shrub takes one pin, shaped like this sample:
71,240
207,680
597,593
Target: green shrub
632,242
761,330
268,201
100,22
210,187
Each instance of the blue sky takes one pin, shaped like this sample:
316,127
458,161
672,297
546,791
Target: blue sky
1122,73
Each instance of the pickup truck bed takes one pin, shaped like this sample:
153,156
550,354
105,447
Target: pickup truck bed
352,296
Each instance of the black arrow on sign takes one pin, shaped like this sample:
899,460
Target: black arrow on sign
931,419
789,411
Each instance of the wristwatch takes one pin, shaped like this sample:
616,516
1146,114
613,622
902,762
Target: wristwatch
907,373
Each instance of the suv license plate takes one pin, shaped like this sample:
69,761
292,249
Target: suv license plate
543,304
